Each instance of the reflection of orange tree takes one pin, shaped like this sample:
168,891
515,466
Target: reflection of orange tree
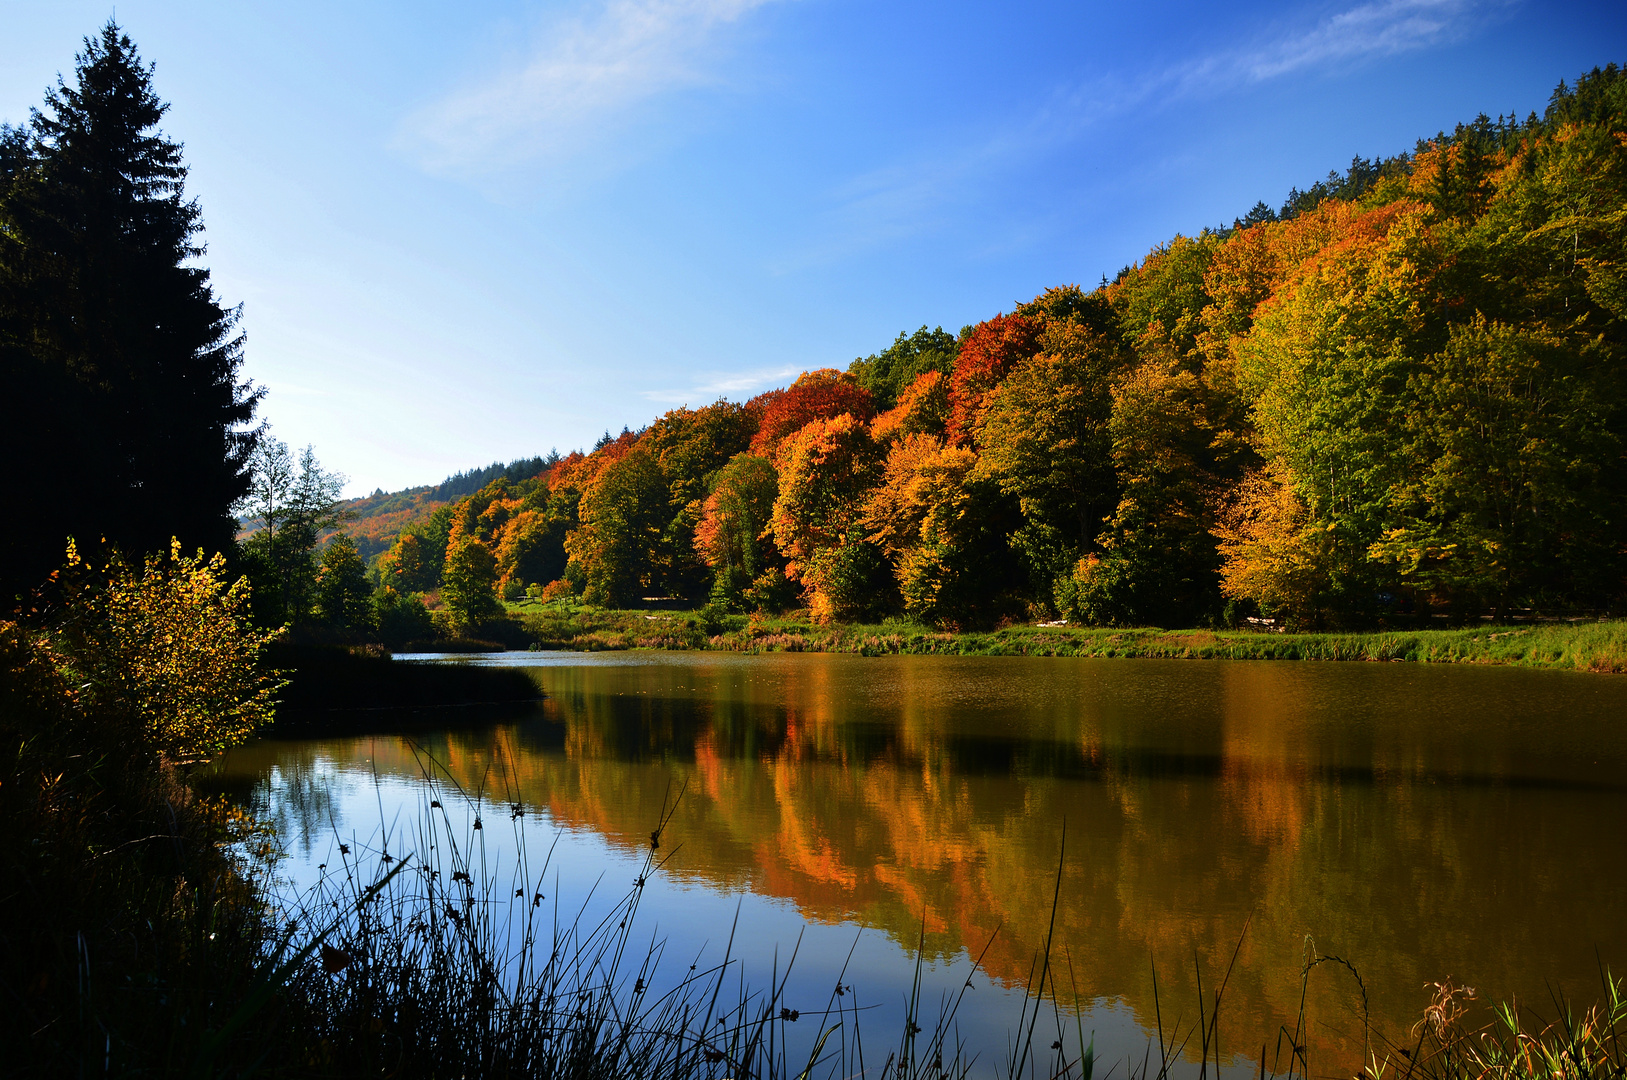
1171,851
889,840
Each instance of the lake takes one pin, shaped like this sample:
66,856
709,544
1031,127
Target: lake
1423,823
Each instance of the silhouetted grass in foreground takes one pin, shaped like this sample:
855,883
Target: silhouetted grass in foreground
441,963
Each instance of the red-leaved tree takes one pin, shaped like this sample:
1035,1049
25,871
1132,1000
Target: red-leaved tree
816,395
986,357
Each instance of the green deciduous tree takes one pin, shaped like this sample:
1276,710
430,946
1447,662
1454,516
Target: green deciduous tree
1158,563
469,584
401,619
1328,366
690,446
413,563
289,504
1513,497
887,373
1045,442
343,596
730,536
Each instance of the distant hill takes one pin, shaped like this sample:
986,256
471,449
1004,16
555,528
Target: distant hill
377,519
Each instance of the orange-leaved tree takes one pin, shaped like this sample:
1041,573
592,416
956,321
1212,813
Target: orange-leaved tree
922,409
623,514
816,395
1274,553
530,550
826,471
942,530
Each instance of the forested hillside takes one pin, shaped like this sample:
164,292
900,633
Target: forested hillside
1399,394
374,521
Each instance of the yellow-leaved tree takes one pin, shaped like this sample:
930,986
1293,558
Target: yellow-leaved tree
170,643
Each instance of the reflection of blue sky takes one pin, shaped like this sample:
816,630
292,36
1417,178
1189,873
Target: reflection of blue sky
689,918
519,224
1373,806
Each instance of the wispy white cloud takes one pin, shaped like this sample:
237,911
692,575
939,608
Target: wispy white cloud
734,384
586,73
1367,31
912,196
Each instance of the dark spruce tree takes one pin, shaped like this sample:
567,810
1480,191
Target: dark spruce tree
122,416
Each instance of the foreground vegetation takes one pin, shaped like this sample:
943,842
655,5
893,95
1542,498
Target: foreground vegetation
1579,645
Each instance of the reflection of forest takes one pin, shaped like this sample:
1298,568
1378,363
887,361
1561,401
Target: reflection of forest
1402,824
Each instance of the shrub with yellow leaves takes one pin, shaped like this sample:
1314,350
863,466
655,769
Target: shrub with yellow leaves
171,644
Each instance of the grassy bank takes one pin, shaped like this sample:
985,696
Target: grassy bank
1578,646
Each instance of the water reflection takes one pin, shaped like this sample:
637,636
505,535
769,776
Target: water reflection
1418,822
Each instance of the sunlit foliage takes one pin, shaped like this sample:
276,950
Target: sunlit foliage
468,585
1397,395
170,641
826,471
623,515
732,534
991,350
922,409
290,503
941,529
343,595
1044,440
816,395
887,373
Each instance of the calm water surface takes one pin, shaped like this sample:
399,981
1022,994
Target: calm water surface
1423,823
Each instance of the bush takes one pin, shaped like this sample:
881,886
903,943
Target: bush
130,929
172,644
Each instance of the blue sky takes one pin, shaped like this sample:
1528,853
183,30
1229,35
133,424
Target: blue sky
463,233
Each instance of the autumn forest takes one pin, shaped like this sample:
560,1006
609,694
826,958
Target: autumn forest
1399,395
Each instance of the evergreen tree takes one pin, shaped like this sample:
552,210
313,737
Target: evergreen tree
121,416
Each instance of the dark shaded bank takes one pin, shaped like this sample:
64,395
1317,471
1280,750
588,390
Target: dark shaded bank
335,690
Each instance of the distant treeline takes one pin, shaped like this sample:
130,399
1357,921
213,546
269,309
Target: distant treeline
1401,394
374,521
467,483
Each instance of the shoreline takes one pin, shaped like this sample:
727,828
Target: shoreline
1594,646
